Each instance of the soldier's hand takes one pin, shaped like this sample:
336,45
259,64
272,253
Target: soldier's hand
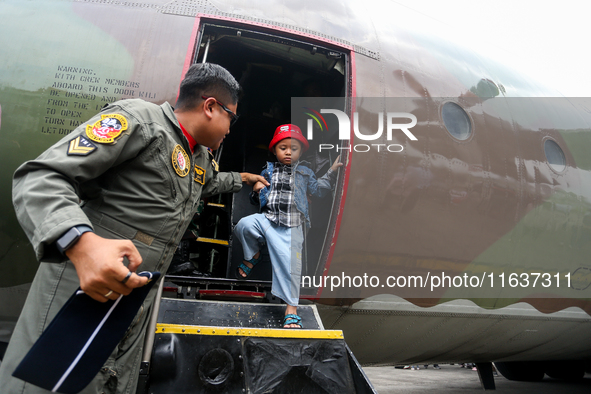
258,187
100,268
251,179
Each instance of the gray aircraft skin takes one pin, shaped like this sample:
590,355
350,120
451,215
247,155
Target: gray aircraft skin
505,191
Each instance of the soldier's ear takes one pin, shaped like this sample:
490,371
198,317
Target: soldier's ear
207,106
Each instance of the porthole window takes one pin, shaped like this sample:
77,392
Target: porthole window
456,121
554,155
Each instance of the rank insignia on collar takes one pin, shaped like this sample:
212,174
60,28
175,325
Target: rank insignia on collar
213,162
180,161
80,146
215,165
108,129
199,175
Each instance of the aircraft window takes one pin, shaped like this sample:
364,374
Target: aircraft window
554,155
456,121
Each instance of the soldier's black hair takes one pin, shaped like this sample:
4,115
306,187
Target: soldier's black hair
207,79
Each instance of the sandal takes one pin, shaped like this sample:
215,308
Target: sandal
245,268
292,319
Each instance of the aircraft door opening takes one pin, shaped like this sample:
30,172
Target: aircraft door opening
271,69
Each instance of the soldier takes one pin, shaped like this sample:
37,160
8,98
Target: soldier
113,196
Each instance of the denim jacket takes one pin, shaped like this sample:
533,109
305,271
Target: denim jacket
305,183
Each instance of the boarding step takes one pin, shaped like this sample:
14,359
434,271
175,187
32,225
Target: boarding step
187,287
236,347
213,241
232,314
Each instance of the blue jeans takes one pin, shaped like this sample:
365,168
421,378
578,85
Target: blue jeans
285,250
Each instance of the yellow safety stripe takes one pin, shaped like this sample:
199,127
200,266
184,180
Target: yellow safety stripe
213,241
216,205
248,332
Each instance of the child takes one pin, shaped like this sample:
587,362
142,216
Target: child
284,207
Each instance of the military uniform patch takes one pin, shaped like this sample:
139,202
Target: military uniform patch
213,162
199,175
80,146
180,161
215,165
108,129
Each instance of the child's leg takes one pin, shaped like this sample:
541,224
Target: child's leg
285,250
250,231
297,240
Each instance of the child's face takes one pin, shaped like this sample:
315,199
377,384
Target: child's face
288,151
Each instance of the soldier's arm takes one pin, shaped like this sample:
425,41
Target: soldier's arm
46,191
230,182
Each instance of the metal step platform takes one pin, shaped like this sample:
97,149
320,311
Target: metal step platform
237,347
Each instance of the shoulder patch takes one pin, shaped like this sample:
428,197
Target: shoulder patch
199,175
80,146
180,161
108,129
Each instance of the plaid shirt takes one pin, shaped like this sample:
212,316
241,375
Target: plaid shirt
281,208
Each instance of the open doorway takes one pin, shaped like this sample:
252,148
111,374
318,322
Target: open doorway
271,69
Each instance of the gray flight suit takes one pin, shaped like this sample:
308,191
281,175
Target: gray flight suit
129,174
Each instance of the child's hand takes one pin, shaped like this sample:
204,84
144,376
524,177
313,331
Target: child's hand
258,186
337,163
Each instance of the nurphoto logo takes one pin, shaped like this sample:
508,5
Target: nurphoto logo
344,124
